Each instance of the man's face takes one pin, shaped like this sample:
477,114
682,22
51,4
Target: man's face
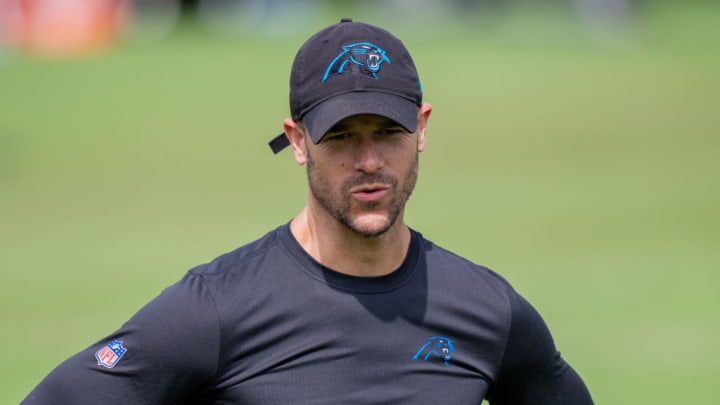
362,173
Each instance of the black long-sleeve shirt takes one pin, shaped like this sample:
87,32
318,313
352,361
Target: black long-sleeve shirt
267,324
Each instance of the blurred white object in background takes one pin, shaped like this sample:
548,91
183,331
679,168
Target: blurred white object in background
272,18
608,20
151,20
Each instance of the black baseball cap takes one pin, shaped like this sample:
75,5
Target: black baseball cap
347,69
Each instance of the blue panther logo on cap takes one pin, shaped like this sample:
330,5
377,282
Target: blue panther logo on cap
362,58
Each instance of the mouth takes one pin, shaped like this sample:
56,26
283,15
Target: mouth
369,193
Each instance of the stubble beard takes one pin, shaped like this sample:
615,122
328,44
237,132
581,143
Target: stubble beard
339,204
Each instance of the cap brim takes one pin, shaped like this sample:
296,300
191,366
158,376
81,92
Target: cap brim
325,115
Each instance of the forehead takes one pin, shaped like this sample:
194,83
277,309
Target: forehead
361,120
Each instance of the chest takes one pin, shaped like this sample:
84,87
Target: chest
321,345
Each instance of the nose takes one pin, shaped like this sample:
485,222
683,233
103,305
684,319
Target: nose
368,157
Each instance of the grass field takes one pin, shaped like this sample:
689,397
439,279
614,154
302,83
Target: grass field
587,174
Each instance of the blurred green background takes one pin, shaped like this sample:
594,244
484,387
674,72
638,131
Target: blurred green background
579,160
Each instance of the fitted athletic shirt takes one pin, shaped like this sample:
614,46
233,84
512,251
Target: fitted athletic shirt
267,324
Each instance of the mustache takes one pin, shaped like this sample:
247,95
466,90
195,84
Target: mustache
374,178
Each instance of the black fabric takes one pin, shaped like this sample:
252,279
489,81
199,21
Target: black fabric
268,324
533,371
279,143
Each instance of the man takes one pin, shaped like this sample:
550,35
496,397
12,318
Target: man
345,304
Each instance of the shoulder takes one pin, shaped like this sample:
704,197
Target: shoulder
448,264
195,307
239,257
525,321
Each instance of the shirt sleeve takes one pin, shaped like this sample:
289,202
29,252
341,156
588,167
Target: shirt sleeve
532,371
165,353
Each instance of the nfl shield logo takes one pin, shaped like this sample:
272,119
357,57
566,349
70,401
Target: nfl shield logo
110,354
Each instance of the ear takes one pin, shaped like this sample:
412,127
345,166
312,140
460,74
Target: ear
423,116
296,136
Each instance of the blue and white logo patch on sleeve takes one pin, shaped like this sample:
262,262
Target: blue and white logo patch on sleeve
109,355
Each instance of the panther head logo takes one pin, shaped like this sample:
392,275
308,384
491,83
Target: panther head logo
436,347
361,58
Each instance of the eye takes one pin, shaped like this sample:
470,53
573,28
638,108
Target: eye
338,136
394,130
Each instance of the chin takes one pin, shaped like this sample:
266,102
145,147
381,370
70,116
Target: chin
371,225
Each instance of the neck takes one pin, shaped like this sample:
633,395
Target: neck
339,248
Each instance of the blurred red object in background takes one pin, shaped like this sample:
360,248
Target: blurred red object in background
61,27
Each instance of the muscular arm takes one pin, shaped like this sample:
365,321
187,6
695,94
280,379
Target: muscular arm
533,372
171,349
